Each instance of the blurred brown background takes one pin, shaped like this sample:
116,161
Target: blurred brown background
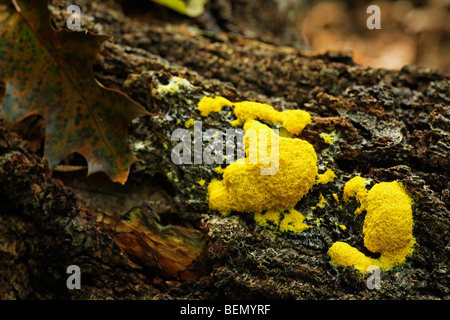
412,32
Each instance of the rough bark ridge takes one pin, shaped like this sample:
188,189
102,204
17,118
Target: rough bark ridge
392,125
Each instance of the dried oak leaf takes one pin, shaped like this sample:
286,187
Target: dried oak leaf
49,72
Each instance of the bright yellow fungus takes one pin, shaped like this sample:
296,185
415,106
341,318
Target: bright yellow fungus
244,187
322,202
189,123
201,182
249,110
269,217
326,177
343,227
329,138
387,226
292,120
208,105
356,188
219,169
343,254
293,221
335,196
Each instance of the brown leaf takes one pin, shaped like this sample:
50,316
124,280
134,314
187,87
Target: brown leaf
49,73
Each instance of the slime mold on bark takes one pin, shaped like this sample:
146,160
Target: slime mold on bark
387,226
243,187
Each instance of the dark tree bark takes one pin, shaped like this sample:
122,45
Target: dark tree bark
393,125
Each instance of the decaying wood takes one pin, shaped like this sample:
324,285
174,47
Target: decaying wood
392,125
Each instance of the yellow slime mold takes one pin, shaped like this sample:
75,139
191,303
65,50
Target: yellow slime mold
387,226
244,188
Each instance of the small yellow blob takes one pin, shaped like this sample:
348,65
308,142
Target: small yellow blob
343,254
387,226
249,110
343,227
189,123
293,221
201,182
208,105
322,201
335,196
269,217
329,138
294,121
219,169
356,187
326,177
318,221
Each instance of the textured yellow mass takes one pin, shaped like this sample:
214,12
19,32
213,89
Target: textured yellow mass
293,221
355,187
208,105
387,226
292,120
219,169
326,177
243,187
269,217
249,110
335,196
343,254
295,120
